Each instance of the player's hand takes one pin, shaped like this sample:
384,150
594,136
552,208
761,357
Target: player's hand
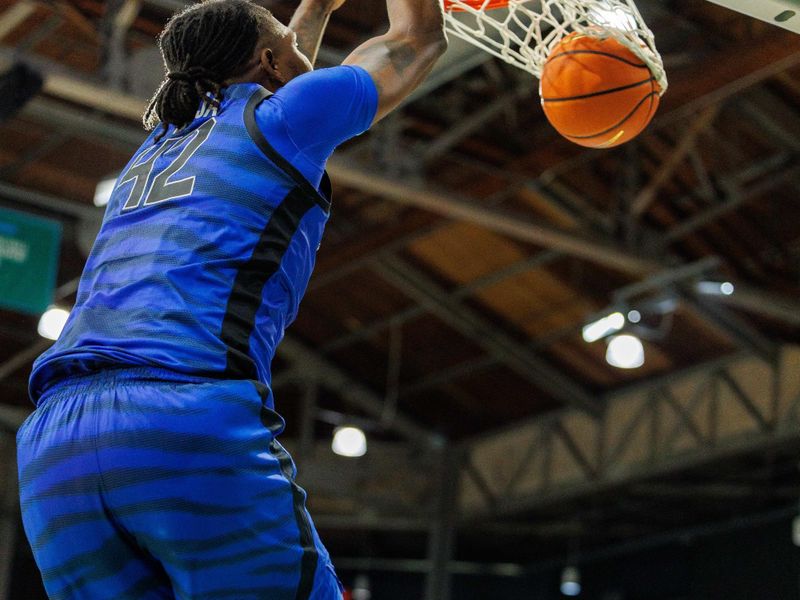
335,4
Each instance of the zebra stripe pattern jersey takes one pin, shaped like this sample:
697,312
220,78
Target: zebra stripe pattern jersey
211,235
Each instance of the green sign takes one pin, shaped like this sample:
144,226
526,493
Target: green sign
29,248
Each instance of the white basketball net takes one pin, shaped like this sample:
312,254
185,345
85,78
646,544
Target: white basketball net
524,33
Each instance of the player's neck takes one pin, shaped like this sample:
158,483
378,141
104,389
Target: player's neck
265,82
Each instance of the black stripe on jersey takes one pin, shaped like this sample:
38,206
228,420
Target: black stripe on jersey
323,198
245,298
310,558
308,563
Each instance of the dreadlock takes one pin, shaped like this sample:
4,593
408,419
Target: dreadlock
203,46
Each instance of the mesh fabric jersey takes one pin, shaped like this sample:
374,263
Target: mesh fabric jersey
207,244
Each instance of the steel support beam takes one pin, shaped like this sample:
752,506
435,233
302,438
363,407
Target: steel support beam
752,300
459,58
589,249
84,124
408,565
684,146
773,306
308,419
369,521
745,335
25,356
333,378
441,539
516,226
445,376
49,202
733,407
15,16
775,171
116,23
666,279
718,78
62,84
467,126
527,264
773,115
524,361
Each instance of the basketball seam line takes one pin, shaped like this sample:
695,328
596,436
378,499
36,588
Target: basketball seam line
617,124
600,93
598,52
652,92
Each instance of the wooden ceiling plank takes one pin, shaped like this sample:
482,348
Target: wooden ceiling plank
15,16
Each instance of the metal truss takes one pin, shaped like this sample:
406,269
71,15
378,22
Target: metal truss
311,366
740,405
523,360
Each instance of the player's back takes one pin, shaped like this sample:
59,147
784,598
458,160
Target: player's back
206,248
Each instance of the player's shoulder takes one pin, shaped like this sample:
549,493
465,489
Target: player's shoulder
326,80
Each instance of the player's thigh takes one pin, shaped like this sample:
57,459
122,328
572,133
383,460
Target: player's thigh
80,551
194,473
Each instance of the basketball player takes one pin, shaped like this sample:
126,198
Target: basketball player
150,468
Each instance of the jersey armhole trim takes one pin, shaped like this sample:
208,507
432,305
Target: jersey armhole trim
322,196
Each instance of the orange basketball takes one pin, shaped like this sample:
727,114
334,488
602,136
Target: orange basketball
596,92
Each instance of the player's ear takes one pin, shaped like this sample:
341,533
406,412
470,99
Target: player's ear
268,62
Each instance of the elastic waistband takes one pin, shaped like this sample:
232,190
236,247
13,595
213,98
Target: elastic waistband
93,382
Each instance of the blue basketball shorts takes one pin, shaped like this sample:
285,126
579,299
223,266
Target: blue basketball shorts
143,484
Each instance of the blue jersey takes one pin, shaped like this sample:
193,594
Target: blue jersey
211,233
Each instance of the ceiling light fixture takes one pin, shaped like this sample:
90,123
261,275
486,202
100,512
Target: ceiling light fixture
52,322
349,441
715,288
570,581
603,327
625,352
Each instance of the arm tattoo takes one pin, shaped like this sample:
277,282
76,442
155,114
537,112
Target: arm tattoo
402,55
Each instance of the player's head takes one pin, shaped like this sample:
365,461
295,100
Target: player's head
214,43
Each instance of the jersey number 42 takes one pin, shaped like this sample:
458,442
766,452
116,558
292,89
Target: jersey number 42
155,186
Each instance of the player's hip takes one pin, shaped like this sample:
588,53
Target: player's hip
125,415
189,469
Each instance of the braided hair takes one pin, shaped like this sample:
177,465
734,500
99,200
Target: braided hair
202,46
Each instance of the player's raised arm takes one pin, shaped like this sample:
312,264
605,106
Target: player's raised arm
399,60
309,23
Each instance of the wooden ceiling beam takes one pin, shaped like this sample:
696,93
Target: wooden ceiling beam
513,225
